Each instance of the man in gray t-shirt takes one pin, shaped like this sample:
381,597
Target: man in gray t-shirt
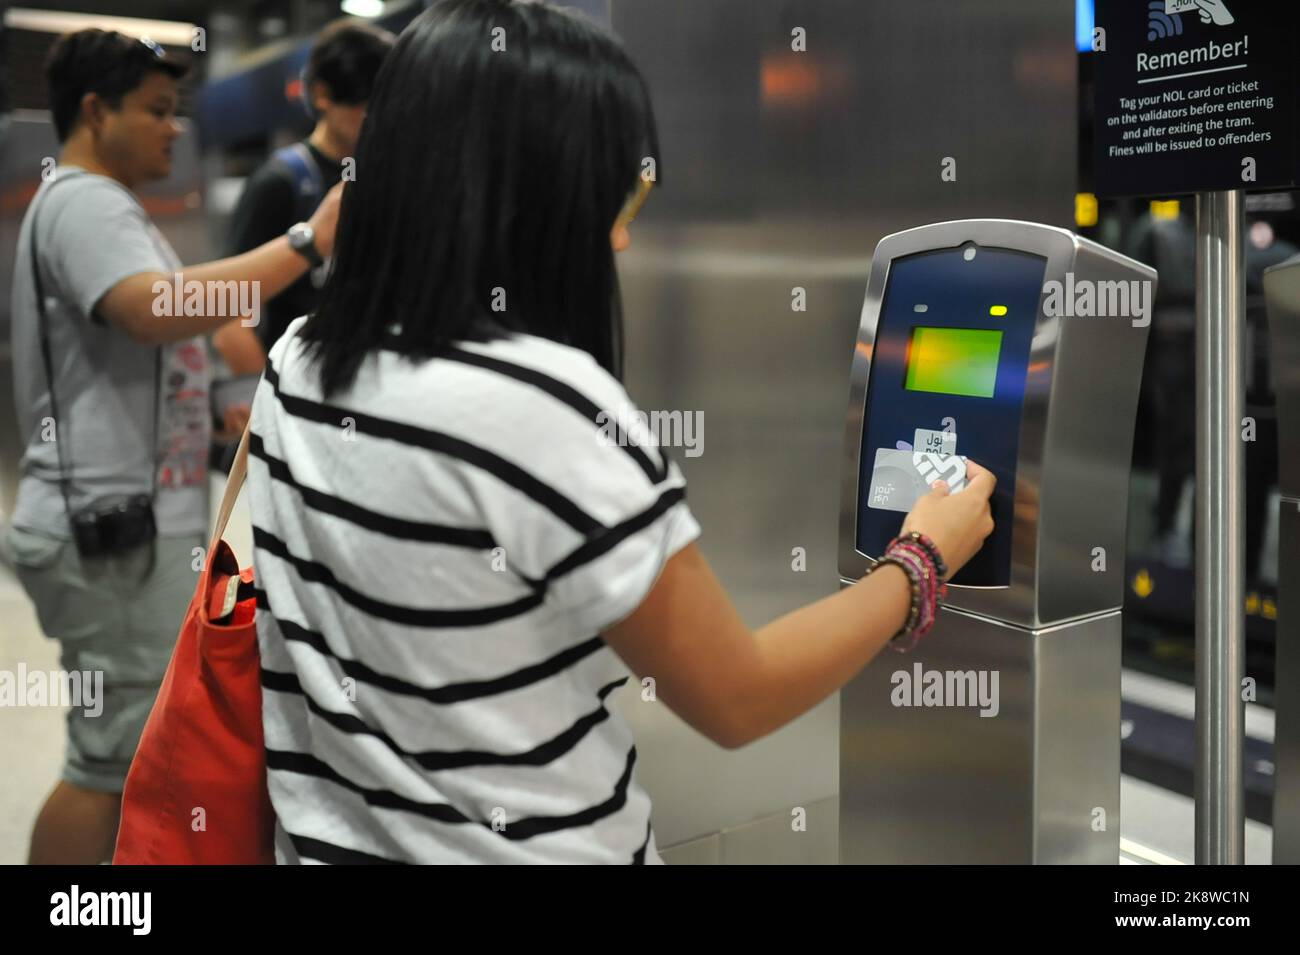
112,392
129,415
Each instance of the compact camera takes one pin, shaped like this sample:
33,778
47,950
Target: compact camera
114,525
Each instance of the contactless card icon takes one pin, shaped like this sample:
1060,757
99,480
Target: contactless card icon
899,478
1210,11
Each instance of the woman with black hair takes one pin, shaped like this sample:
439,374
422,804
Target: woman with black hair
459,560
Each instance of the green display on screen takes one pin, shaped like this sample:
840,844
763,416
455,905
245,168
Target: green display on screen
953,361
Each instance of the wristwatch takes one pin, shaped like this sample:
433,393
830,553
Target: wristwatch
302,239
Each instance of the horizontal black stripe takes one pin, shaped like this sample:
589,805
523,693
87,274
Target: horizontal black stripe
335,855
442,760
592,549
306,765
280,682
316,572
567,394
583,554
527,828
398,527
540,825
638,857
505,471
599,542
449,692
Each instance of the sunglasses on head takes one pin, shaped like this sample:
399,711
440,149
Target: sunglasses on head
158,51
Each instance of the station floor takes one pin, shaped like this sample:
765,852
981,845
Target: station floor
1156,824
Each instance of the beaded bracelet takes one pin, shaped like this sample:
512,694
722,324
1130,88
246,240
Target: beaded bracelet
914,586
924,569
917,561
926,556
926,595
917,537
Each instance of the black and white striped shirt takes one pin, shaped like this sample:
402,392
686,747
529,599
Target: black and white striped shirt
437,550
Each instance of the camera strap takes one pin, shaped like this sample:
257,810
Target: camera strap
65,468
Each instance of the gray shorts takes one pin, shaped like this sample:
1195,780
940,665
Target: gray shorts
117,615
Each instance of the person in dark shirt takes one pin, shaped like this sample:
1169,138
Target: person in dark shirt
337,80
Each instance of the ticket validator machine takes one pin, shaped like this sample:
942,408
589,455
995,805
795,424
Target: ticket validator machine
1282,297
997,738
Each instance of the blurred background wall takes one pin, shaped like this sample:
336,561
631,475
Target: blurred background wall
781,170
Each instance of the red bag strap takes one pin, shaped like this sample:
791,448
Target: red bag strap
233,483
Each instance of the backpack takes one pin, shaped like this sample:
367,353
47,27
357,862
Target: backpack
297,164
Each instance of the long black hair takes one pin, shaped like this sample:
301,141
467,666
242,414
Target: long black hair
489,171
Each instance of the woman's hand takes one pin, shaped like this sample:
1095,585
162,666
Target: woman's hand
957,523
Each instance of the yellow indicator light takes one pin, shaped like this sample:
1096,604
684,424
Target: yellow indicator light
1143,584
1085,209
997,311
1164,210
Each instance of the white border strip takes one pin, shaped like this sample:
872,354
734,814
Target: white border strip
1179,76
1146,853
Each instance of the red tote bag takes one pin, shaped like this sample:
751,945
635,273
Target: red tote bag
196,791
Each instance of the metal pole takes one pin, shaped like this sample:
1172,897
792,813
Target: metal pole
1220,528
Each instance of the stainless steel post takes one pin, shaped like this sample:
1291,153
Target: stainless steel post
1220,528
